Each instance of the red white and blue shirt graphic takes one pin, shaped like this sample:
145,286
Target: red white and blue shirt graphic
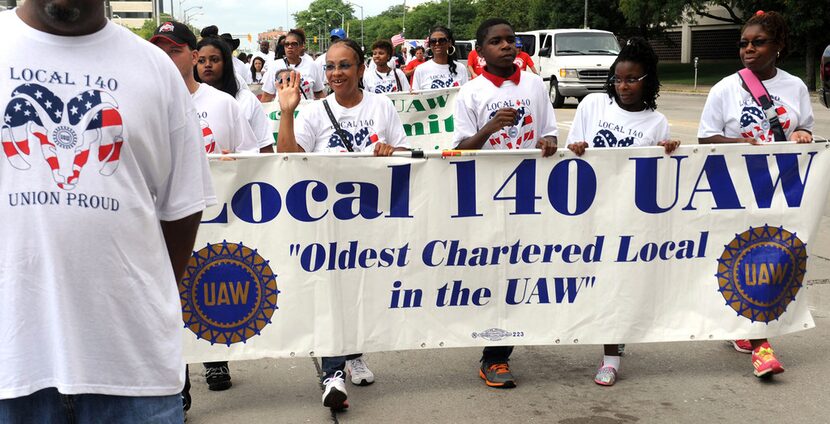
480,99
431,76
373,120
730,110
64,131
601,122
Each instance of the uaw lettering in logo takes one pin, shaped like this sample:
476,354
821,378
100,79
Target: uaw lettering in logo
517,135
761,271
229,293
754,123
65,132
360,140
493,334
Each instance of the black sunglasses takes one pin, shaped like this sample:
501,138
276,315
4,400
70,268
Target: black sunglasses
755,43
438,41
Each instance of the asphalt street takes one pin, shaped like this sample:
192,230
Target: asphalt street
681,382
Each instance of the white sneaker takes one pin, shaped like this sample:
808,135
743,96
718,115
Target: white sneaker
334,395
359,372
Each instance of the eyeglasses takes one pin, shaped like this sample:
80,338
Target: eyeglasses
438,41
755,43
618,81
292,44
344,66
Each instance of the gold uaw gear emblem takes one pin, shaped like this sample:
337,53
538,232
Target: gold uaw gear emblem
229,293
761,271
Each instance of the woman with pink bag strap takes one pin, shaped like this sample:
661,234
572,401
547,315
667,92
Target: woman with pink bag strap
732,114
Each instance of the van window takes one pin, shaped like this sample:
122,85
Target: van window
586,43
528,43
464,48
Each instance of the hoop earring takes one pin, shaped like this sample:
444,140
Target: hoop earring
450,53
778,54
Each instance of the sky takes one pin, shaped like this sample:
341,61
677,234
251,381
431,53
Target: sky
254,16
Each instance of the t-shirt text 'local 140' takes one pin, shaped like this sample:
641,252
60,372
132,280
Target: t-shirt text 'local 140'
600,122
373,120
224,126
479,100
431,76
100,143
311,76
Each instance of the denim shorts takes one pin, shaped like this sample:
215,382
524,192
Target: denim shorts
47,406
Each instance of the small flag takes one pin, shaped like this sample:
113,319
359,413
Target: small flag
397,40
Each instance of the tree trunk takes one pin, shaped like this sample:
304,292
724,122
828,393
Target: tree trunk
810,62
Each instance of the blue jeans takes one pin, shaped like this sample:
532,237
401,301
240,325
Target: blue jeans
332,364
47,406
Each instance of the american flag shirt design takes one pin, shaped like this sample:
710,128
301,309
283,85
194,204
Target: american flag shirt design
65,131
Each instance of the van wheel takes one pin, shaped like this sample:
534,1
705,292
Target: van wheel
555,98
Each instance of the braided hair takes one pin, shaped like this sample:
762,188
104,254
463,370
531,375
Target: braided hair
452,57
774,24
638,50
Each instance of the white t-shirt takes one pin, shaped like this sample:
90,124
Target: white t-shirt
373,120
375,81
430,75
88,300
311,78
255,115
731,111
601,122
478,101
242,69
224,127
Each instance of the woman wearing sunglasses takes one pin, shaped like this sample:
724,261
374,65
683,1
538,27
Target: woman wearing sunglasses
311,82
731,115
442,71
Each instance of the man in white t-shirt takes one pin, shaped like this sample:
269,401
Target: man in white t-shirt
224,128
101,213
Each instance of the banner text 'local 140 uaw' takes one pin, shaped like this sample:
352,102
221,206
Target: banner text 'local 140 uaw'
308,255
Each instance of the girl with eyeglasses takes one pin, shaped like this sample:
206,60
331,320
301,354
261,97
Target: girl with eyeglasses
625,115
442,71
731,115
311,83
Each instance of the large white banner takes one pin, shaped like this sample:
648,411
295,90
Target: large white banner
427,117
310,255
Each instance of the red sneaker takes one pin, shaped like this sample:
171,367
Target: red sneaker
743,345
764,361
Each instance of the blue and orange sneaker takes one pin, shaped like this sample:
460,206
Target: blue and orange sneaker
764,361
497,375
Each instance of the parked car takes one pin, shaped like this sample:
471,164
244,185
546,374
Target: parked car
574,62
824,90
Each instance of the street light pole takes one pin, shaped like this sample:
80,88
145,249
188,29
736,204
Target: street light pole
585,21
361,22
449,13
342,18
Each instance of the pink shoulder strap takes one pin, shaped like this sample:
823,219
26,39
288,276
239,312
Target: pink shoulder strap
756,88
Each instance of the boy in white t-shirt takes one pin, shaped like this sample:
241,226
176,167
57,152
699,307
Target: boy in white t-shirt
383,77
88,295
504,109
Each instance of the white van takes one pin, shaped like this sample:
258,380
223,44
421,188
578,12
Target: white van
575,62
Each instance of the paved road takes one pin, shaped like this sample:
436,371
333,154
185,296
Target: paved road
683,382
